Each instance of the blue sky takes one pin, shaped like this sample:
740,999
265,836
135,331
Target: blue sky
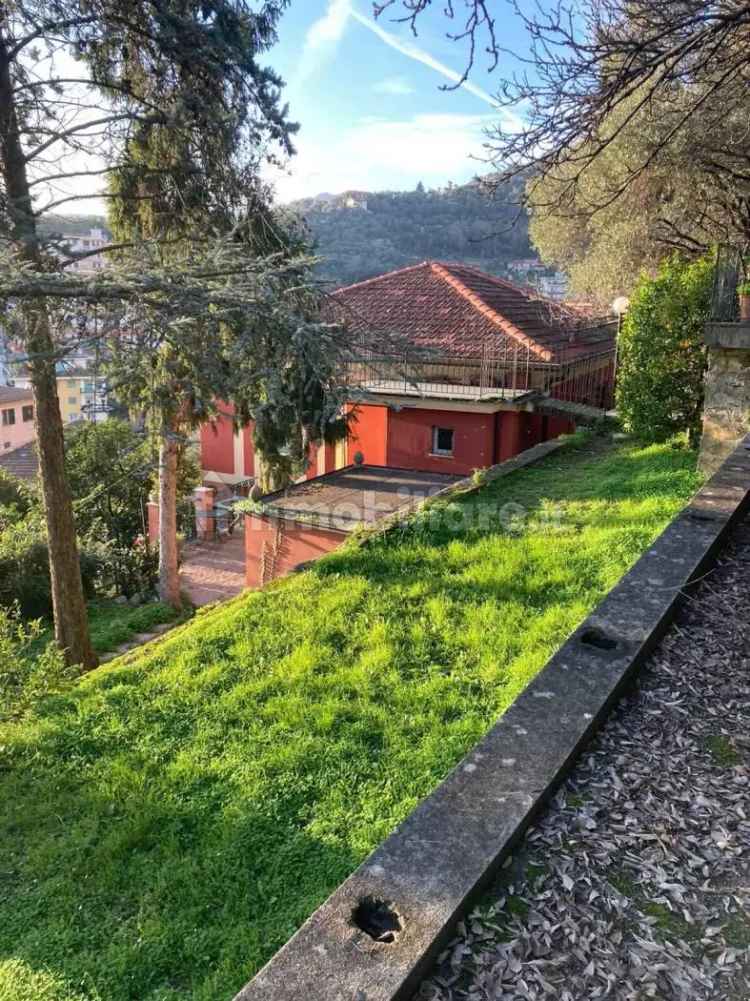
367,97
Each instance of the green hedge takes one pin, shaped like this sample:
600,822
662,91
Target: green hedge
24,569
661,357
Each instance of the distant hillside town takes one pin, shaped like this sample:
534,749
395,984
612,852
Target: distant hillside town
361,234
81,387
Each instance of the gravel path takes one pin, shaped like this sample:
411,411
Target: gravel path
635,883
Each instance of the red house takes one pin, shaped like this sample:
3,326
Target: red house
451,370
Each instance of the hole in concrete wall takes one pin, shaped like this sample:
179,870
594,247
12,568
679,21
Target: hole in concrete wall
598,639
378,919
703,516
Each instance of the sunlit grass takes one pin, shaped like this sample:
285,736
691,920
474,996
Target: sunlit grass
112,624
168,824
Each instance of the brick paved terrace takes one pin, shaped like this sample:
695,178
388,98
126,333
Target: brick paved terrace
214,571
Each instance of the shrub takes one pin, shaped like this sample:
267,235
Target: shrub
28,670
110,468
661,358
13,493
124,570
24,569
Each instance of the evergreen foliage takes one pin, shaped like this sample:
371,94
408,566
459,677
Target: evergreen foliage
661,356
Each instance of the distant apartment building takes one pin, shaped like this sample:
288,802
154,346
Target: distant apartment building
6,359
16,417
554,286
355,200
83,394
525,264
93,241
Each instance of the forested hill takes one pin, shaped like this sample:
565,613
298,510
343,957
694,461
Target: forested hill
363,233
360,234
72,225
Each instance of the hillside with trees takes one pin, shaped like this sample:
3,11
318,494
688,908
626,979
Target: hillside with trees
71,225
360,234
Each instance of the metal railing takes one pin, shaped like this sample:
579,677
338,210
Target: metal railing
579,370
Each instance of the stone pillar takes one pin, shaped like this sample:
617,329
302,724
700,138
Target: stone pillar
152,508
726,414
205,522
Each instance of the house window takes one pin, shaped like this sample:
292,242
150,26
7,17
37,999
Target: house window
442,441
9,417
27,413
72,401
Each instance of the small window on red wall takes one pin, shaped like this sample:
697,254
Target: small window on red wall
442,441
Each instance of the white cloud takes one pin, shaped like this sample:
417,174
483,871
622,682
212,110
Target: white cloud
394,85
322,36
378,154
330,27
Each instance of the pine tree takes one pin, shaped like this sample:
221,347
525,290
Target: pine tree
128,55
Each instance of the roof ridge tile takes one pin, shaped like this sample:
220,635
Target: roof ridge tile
485,309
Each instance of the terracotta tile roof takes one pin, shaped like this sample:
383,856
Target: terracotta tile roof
12,394
21,462
461,310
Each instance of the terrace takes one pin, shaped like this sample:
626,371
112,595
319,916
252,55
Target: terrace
445,331
355,496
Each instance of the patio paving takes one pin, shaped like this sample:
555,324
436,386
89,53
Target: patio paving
214,571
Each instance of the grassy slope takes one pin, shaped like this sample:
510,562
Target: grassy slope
112,624
167,825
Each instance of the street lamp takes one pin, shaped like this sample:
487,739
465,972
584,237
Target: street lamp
619,307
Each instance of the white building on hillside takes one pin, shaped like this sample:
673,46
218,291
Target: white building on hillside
553,286
93,241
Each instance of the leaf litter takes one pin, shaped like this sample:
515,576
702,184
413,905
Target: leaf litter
635,882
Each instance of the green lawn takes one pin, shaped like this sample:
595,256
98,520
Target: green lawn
167,825
112,625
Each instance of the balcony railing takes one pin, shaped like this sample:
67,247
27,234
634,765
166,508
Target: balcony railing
579,371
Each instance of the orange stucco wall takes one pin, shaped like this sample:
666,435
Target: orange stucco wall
297,544
217,443
402,438
410,440
369,435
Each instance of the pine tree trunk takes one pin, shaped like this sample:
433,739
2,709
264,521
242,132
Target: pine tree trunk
71,624
169,575
68,603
